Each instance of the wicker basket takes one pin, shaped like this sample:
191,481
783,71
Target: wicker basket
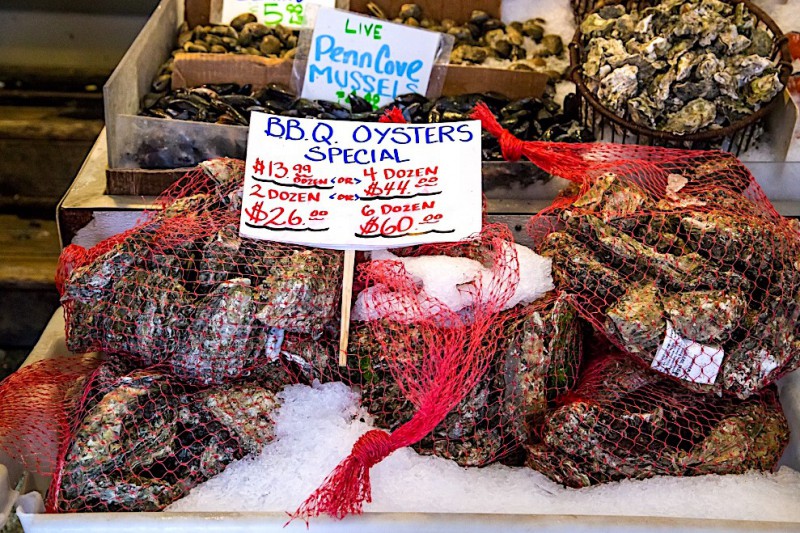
736,137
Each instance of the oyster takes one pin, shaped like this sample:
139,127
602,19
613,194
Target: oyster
693,117
221,257
637,319
541,361
763,89
751,437
734,43
617,87
299,294
684,65
577,270
220,342
92,281
594,24
704,316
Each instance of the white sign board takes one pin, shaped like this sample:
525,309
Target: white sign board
289,13
361,185
372,58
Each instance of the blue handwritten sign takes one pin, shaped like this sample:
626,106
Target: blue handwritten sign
372,58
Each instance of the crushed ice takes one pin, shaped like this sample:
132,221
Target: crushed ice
317,426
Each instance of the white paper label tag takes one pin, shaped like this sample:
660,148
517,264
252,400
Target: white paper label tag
361,185
272,347
687,360
375,59
290,13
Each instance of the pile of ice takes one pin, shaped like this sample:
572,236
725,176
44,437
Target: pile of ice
454,282
317,426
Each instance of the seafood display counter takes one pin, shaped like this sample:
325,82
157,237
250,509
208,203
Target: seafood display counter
87,216
568,335
22,494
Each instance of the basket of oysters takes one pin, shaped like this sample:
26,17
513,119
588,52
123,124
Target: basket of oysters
696,74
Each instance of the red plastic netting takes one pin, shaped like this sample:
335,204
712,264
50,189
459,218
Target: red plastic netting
142,438
627,422
457,382
183,290
39,403
677,256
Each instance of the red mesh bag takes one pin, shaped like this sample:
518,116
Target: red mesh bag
534,351
676,256
625,421
454,379
39,402
183,290
141,438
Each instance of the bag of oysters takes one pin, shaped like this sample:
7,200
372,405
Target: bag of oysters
114,437
456,349
183,290
676,256
625,421
412,302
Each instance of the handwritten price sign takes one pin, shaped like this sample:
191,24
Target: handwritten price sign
289,13
354,185
374,59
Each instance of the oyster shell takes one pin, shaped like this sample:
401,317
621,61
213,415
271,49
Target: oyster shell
618,86
218,345
541,361
637,319
704,316
763,89
295,296
693,117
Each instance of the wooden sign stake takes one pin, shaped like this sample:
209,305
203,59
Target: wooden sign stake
347,298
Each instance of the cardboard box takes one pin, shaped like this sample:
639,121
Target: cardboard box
193,70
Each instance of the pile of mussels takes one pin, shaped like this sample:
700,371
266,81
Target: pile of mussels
527,118
680,67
